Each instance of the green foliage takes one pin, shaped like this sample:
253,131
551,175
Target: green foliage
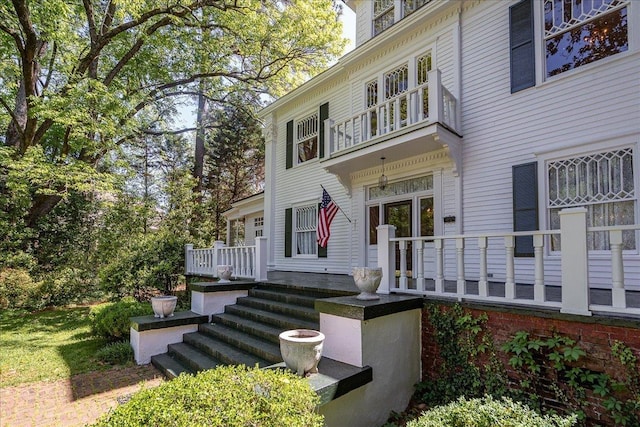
229,396
556,361
111,320
469,364
116,353
487,412
18,289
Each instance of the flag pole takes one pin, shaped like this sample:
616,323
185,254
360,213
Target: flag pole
345,215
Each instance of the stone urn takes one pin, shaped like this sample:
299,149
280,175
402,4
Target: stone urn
367,280
224,273
301,350
164,306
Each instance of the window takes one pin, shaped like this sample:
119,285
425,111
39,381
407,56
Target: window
374,221
396,82
259,233
306,220
601,182
307,138
578,32
258,222
383,15
411,6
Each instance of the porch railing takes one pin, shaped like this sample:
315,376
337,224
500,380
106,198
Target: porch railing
248,262
452,275
430,102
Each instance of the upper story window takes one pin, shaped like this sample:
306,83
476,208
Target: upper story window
603,183
578,32
307,138
396,81
258,222
306,222
383,15
411,6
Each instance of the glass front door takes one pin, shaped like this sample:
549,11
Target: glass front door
399,215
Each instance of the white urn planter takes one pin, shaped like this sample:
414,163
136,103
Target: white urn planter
367,280
301,350
164,306
224,273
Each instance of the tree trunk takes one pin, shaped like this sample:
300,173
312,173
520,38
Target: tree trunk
198,163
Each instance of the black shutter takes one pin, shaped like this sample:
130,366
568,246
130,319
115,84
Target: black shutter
525,206
290,144
324,114
322,252
522,46
288,232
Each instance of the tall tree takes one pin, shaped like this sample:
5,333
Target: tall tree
79,78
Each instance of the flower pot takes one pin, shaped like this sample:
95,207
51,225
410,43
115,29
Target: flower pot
224,273
367,280
163,306
301,350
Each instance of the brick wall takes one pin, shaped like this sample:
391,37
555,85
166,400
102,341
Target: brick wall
593,334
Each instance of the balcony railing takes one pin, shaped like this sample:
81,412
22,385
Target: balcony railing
428,103
457,277
248,262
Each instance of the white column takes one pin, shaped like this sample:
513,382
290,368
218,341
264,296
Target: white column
420,266
387,257
403,264
188,263
217,246
261,259
538,287
460,257
436,110
438,243
619,298
575,265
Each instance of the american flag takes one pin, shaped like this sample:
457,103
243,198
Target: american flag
328,210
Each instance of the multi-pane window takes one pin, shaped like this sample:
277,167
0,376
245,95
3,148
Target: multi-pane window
601,182
306,221
383,15
396,82
307,138
258,224
578,32
411,6
372,101
423,66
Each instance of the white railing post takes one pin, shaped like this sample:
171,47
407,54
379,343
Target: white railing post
387,257
436,107
460,288
538,287
483,286
218,245
328,137
509,283
188,261
575,265
260,264
403,264
619,298
420,266
438,244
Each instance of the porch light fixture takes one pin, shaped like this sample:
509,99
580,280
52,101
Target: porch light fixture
382,181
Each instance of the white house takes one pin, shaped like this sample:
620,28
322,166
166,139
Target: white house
486,118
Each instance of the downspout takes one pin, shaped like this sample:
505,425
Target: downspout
459,178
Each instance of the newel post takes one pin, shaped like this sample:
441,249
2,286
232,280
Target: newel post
436,107
188,261
261,259
575,261
217,254
387,257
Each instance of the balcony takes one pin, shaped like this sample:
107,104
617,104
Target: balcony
423,119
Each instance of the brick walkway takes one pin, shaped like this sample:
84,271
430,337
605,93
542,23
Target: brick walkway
72,402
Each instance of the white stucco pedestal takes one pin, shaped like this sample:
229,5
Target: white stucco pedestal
384,334
211,298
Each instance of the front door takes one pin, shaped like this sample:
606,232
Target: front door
399,215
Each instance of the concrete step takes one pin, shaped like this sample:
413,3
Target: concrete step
169,366
191,357
286,297
243,341
313,292
258,329
305,313
222,351
273,319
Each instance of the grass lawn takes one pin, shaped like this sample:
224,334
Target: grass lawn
46,345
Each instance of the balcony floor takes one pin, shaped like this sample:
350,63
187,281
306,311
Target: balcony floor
344,283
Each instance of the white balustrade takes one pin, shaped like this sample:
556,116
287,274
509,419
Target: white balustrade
429,102
248,262
471,257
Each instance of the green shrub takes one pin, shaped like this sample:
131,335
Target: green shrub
18,289
487,412
111,320
116,353
228,396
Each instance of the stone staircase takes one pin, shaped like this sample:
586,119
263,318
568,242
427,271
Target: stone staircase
247,332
